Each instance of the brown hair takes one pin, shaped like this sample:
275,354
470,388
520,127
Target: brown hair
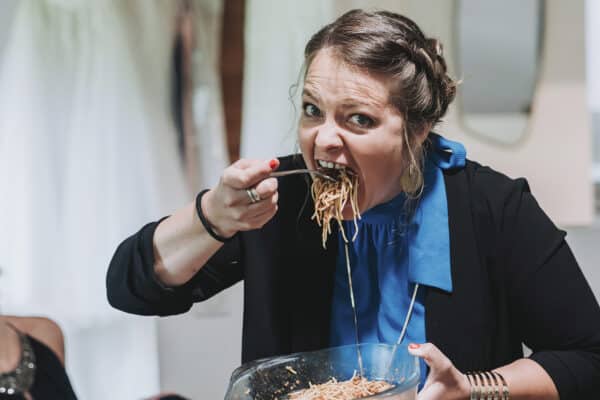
390,44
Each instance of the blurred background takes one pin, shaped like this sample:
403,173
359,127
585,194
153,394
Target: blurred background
115,112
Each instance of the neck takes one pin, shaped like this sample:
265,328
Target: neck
10,348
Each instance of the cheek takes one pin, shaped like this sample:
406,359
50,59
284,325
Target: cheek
306,140
377,171
380,155
380,162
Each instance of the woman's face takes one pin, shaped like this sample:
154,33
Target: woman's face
347,119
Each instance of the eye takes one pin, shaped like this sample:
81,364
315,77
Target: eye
310,110
362,120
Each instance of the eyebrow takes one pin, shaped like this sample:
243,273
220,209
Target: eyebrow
307,92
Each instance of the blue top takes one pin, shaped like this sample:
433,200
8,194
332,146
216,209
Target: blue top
390,255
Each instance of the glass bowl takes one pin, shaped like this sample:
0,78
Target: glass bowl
275,377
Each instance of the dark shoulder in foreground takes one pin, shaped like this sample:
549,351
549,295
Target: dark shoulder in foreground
493,185
509,221
496,195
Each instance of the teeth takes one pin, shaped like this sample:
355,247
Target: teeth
330,165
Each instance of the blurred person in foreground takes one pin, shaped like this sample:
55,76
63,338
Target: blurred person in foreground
32,357
32,361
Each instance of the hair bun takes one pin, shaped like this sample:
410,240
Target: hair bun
436,46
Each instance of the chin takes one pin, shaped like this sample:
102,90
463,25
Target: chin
347,213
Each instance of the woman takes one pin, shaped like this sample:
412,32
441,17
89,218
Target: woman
488,269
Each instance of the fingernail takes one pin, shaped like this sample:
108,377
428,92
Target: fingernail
273,163
414,346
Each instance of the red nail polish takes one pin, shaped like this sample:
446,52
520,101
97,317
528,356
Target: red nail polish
273,163
414,346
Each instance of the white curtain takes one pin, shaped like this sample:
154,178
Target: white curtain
276,33
209,125
87,155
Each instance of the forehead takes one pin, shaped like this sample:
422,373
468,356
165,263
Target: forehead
328,76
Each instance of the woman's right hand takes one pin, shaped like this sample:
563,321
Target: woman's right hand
229,208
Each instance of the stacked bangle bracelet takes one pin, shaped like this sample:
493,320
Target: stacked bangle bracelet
488,385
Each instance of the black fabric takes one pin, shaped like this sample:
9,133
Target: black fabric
51,381
515,281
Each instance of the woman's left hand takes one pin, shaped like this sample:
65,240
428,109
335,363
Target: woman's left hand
444,380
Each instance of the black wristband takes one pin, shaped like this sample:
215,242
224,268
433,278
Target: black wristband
205,222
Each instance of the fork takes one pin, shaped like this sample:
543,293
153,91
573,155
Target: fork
302,171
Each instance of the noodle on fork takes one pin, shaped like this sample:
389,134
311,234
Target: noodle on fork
330,198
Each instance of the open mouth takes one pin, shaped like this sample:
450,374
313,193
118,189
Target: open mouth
333,169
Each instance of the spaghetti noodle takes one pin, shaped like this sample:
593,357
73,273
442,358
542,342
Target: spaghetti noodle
355,388
330,198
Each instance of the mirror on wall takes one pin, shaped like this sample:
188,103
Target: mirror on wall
498,47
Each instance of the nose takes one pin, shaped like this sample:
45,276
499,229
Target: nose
328,138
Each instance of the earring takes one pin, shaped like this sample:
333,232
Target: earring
411,180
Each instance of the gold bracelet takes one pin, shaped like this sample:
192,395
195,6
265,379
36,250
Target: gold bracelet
473,384
505,392
480,385
494,393
476,385
486,386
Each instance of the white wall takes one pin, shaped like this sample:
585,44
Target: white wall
584,242
592,28
7,9
199,350
592,14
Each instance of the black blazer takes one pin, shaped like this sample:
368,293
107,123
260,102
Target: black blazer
514,277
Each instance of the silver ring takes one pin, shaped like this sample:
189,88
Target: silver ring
254,197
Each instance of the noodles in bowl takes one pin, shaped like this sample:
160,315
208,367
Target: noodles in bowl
356,387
